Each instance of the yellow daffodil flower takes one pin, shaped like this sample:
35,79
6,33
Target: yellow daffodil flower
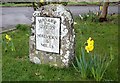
8,37
89,48
101,7
90,41
90,45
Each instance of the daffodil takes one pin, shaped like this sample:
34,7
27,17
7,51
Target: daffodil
90,41
89,48
8,37
90,45
101,7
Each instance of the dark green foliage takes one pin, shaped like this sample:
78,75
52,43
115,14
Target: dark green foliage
22,27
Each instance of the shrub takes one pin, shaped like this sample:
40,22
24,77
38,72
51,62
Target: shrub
22,27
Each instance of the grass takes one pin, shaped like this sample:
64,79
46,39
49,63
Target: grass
0,59
16,5
83,3
17,67
22,69
105,36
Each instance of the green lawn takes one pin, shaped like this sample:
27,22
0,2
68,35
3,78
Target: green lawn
69,3
83,3
16,65
105,36
16,5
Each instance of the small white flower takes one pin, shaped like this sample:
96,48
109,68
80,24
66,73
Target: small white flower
81,16
36,60
55,64
87,15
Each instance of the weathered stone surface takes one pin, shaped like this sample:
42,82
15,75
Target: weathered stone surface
66,53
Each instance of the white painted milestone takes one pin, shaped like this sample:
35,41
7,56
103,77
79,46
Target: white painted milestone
47,34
